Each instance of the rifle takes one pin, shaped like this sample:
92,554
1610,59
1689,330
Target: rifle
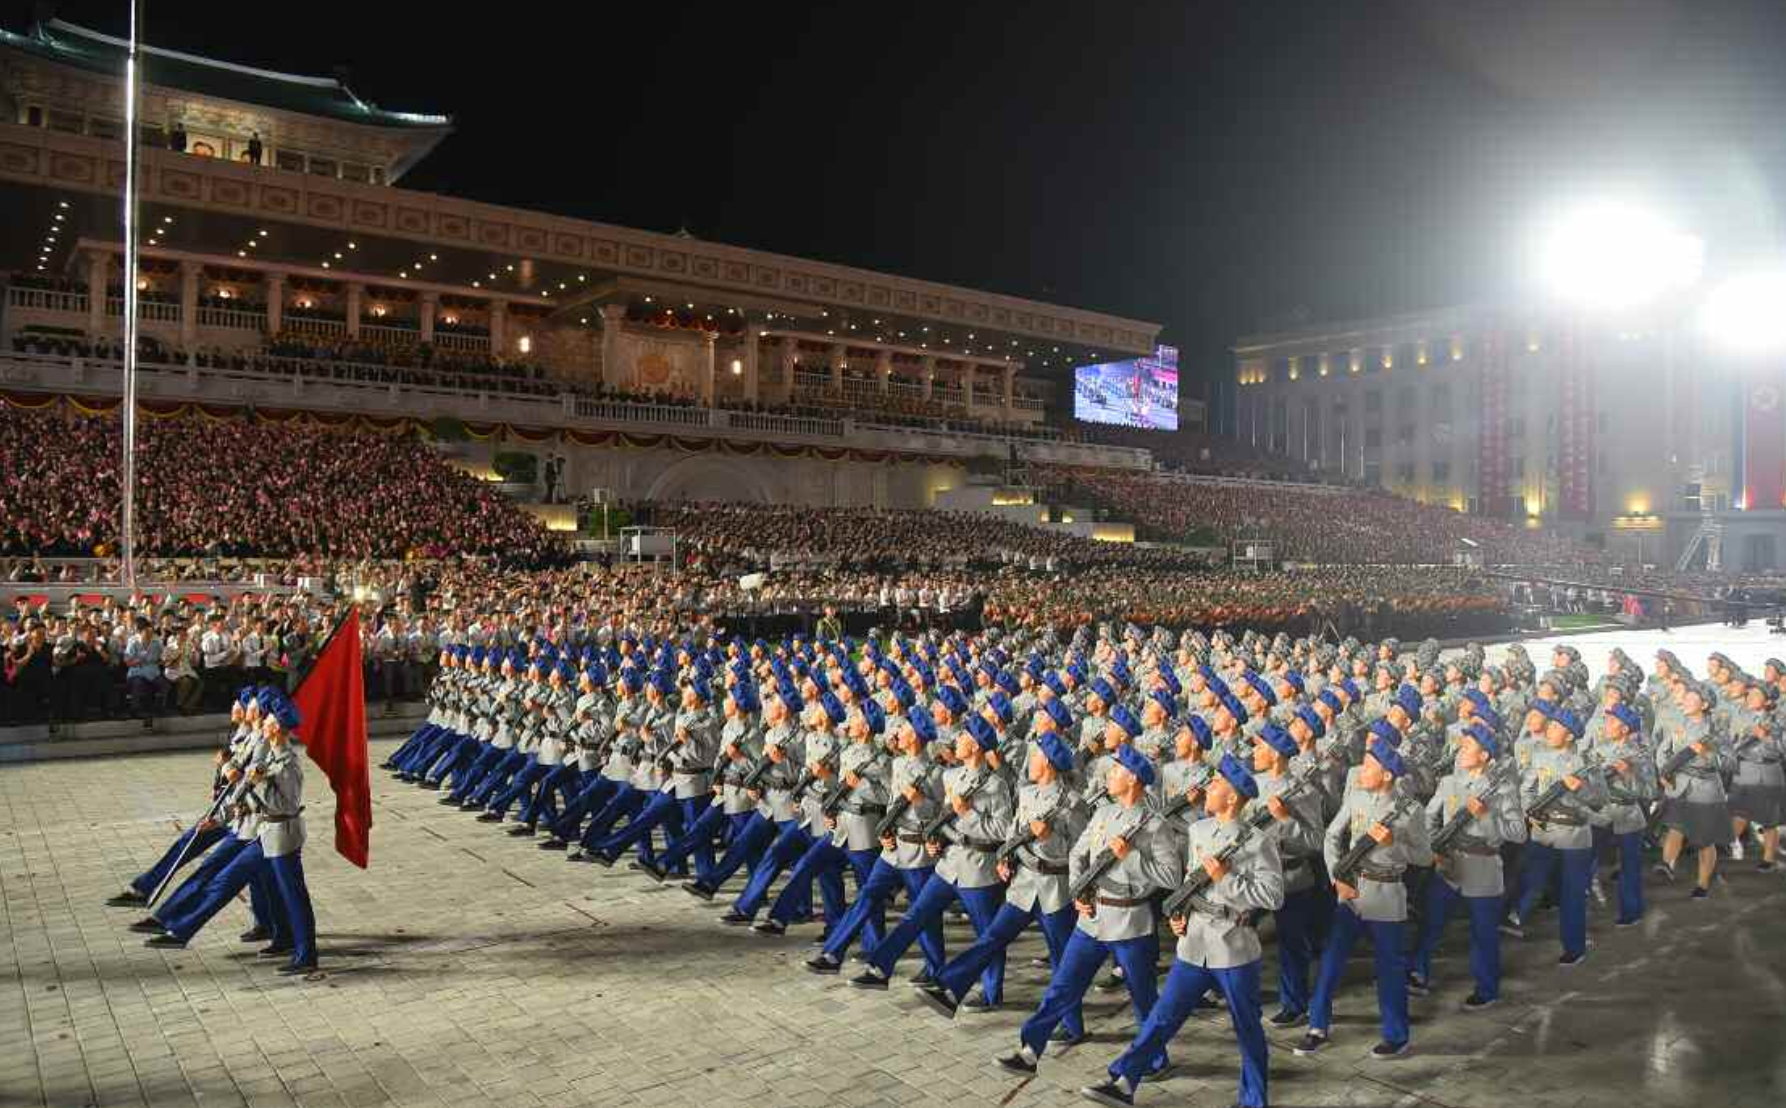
1026,836
1355,855
834,803
754,779
1084,891
1198,878
933,831
810,777
1454,827
1558,789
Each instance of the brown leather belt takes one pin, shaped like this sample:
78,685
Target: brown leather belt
1371,873
1051,869
1123,901
915,839
282,819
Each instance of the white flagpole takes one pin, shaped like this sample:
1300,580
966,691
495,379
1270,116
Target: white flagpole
132,82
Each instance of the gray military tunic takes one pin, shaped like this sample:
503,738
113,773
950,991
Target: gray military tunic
1124,905
1473,864
1217,934
1039,869
1381,895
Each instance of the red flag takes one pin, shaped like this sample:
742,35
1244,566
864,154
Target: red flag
332,700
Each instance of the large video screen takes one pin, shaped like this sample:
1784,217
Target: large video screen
1140,392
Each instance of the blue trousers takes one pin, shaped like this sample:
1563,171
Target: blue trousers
661,809
262,898
243,867
531,774
193,842
455,761
1572,901
1630,847
287,875
442,754
1073,973
1392,972
790,845
431,744
697,839
825,863
748,844
1185,986
625,803
512,762
594,795
871,902
563,782
993,940
1442,899
1297,922
926,915
419,738
466,779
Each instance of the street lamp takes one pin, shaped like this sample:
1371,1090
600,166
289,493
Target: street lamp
1747,313
1612,256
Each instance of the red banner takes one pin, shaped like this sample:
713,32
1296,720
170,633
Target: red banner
1575,427
332,701
1764,444
1492,466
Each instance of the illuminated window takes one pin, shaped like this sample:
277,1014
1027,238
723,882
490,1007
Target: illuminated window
525,344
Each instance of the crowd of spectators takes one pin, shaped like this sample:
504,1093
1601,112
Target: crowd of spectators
1313,524
209,487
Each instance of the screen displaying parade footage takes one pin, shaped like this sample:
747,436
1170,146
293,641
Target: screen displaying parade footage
1139,392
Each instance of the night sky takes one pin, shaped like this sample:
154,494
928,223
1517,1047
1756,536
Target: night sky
1217,167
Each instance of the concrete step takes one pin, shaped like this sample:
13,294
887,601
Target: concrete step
110,737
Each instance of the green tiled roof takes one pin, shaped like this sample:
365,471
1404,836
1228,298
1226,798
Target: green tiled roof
317,96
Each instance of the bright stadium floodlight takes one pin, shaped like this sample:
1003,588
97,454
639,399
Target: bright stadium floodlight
1747,313
1613,256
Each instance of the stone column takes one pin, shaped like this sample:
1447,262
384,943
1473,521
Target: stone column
883,370
275,302
839,355
929,375
613,317
710,380
1010,392
355,291
429,307
753,337
189,275
499,317
790,349
99,266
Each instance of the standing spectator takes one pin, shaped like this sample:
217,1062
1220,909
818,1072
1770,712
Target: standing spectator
252,155
142,671
178,657
221,658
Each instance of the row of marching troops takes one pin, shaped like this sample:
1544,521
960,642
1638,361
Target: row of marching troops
1100,787
250,838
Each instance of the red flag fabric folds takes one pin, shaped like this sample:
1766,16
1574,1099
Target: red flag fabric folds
332,701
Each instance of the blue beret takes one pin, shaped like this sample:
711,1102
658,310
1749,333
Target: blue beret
833,708
1219,686
246,696
566,671
1136,763
1119,672
1061,714
1491,718
632,680
1007,682
282,709
903,693
1312,718
1101,688
1293,679
1278,739
982,733
1332,700
1235,707
1567,718
1387,758
663,682
1386,732
858,687
1484,738
1035,667
1170,680
950,697
874,716
1349,687
1001,706
1056,750
1200,729
889,667
1239,776
1477,699
1624,714
744,694
1260,686
923,726
1166,703
1055,684
1126,720
1407,698
790,696
701,689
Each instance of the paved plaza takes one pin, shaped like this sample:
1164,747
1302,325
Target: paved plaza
466,967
